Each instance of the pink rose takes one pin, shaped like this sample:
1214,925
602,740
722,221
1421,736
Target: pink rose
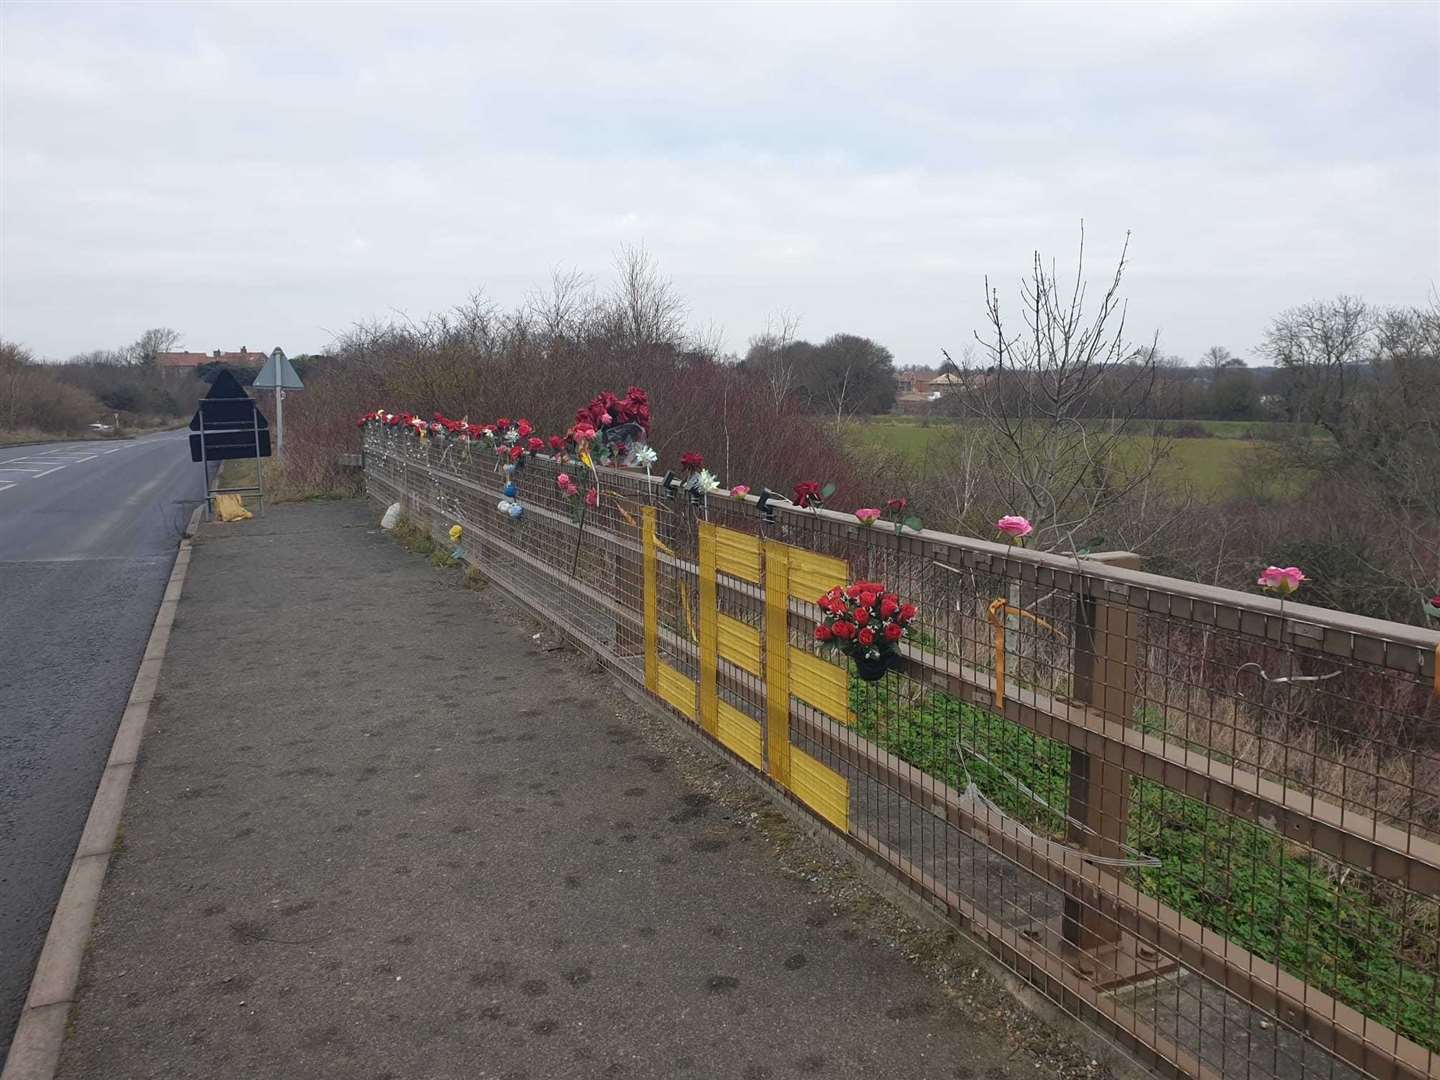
867,515
1014,526
563,480
592,497
1283,580
739,491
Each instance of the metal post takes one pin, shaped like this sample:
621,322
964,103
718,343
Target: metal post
205,461
279,418
259,464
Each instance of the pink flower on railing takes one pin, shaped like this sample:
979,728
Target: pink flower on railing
1015,527
739,491
592,497
867,515
1281,580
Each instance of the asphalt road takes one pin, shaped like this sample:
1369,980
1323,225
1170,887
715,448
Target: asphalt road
88,532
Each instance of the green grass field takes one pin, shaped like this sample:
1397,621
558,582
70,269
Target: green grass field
1210,468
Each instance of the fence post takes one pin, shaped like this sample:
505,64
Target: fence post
777,660
1105,662
651,602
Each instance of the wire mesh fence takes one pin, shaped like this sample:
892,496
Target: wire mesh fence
1206,821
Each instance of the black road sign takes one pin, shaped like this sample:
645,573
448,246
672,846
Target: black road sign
228,423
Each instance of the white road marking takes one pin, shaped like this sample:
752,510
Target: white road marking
47,472
6,484
27,469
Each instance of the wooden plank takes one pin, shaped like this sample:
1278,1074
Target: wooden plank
740,735
777,659
813,575
737,554
651,601
820,683
708,634
821,788
676,690
739,644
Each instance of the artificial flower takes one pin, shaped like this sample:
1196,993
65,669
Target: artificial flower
1281,580
455,533
592,497
867,515
739,491
705,482
691,461
1014,526
646,456
807,493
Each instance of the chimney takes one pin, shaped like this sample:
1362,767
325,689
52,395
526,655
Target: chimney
242,350
217,354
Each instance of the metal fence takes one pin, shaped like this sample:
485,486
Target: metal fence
1206,821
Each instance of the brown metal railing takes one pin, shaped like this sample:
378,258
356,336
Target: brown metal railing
1205,820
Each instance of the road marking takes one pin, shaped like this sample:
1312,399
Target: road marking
47,472
114,451
6,484
26,470
88,558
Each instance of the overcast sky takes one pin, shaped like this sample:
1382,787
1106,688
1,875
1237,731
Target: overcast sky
263,174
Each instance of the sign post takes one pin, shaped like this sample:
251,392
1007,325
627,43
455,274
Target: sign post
279,375
227,424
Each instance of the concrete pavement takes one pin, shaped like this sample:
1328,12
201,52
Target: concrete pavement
383,826
88,532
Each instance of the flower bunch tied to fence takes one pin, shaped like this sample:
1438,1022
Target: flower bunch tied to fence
612,431
867,624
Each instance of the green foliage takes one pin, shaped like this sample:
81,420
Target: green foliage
1239,879
1226,874
412,537
941,736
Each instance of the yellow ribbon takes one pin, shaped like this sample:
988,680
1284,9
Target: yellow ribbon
997,611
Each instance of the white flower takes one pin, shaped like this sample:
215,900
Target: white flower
645,455
503,506
513,435
705,482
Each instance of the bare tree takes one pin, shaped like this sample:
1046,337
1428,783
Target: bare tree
1214,360
13,358
152,343
769,353
1371,379
1060,397
1321,346
645,308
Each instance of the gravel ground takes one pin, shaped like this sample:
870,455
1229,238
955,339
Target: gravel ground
385,826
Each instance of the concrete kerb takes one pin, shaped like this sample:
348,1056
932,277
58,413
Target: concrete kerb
40,1034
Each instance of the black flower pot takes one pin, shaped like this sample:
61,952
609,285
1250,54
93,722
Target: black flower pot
874,669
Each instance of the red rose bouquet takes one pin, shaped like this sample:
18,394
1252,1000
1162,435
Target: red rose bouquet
867,624
614,429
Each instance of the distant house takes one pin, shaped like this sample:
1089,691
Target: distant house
948,381
243,358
